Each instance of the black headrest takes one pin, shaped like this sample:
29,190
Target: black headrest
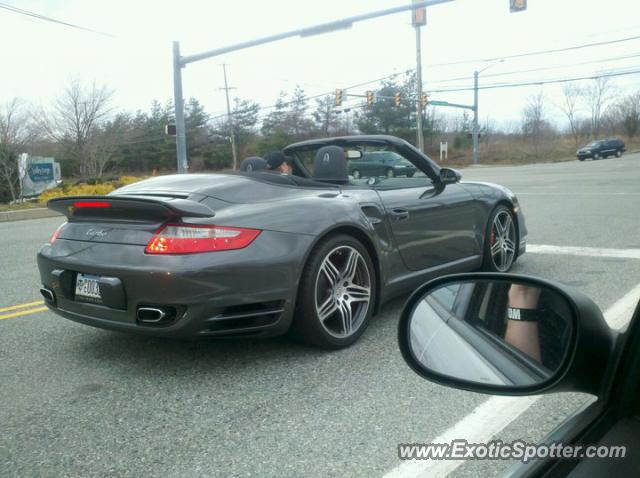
254,163
330,165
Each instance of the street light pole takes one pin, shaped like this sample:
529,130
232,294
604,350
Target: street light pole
419,132
476,126
181,137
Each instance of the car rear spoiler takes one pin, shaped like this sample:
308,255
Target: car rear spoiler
135,208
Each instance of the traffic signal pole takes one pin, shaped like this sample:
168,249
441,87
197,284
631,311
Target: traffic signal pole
180,62
178,106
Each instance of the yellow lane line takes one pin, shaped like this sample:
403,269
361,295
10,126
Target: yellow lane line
23,312
21,306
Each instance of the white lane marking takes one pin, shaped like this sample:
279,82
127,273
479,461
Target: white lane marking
619,314
584,251
496,413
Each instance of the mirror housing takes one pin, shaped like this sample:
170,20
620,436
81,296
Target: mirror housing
590,348
449,176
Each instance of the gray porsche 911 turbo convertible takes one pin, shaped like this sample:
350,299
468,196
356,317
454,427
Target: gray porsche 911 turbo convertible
313,253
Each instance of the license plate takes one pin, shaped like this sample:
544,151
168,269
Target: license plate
88,288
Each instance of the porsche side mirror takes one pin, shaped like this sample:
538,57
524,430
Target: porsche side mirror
449,176
505,334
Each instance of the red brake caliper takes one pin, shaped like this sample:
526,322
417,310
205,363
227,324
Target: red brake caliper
492,237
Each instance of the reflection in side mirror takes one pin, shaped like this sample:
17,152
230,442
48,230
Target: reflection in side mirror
499,333
354,154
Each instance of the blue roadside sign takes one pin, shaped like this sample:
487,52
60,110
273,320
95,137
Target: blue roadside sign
41,172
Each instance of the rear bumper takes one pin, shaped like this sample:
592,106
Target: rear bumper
229,293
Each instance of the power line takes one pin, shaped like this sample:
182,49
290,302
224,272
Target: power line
540,52
544,68
540,82
45,18
518,55
322,95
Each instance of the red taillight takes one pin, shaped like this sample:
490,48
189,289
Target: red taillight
56,233
102,204
194,238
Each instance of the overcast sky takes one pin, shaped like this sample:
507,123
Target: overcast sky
40,57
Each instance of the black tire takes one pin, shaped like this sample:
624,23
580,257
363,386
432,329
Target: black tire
580,159
356,174
618,154
410,175
596,156
390,173
306,326
489,262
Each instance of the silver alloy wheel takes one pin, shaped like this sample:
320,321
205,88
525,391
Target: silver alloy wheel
356,174
342,291
502,240
391,173
618,154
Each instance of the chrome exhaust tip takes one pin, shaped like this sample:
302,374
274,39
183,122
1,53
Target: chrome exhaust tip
152,315
48,295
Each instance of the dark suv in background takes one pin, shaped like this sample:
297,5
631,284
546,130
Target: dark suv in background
601,149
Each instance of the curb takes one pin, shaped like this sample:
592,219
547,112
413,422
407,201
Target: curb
24,214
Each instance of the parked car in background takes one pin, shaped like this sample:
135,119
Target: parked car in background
602,149
380,163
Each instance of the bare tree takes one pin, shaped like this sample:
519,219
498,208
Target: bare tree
597,95
572,95
73,118
533,123
16,132
104,143
627,111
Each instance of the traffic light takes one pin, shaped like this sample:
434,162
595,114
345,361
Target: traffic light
397,98
424,100
419,16
338,97
518,5
371,98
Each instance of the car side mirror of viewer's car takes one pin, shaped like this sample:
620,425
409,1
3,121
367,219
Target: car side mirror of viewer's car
449,176
506,334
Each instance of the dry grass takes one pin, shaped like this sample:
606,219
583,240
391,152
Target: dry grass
515,151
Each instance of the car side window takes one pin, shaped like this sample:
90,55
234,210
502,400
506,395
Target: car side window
384,169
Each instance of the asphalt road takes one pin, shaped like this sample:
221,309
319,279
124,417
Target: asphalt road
77,401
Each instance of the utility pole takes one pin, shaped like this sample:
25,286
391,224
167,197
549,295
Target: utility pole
476,127
230,119
181,137
419,133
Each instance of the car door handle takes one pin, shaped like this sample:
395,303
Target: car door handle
399,214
